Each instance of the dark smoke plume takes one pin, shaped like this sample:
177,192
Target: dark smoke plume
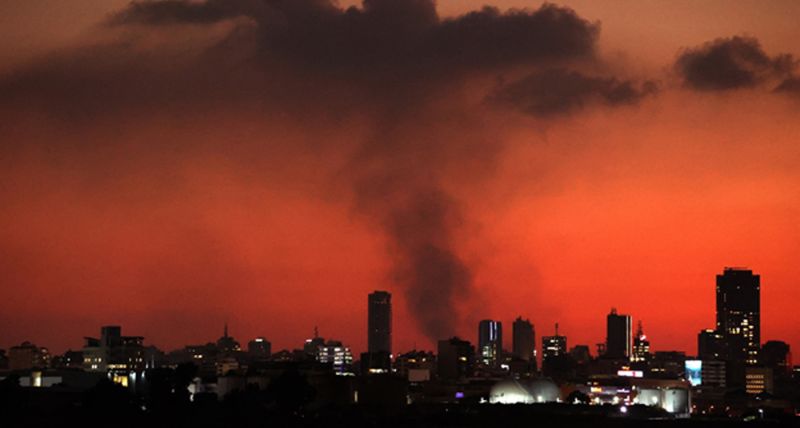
395,62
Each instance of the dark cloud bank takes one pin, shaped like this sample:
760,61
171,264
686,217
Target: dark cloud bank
394,61
734,63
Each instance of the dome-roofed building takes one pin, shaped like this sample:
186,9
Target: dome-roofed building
510,391
513,391
544,391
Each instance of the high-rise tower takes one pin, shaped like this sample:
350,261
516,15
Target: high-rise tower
739,314
524,340
490,342
379,322
618,335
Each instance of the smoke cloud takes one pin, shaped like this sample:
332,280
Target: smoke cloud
559,91
731,63
408,73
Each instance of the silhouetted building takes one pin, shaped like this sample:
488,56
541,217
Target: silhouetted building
490,342
311,346
709,345
259,348
375,362
739,314
379,322
523,340
618,335
455,359
581,354
777,356
226,343
416,366
27,356
641,346
667,364
713,374
69,360
3,360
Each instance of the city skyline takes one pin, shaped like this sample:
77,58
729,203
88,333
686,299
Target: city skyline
381,302
731,375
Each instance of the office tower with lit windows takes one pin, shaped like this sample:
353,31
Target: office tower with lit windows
553,346
523,340
739,315
490,342
340,357
379,322
641,346
618,336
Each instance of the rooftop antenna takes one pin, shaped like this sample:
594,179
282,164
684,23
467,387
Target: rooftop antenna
316,332
556,329
226,330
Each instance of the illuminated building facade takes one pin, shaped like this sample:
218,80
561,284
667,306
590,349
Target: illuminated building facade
618,335
758,380
553,346
114,353
339,356
739,314
641,346
490,342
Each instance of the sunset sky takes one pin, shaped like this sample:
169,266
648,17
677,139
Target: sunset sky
172,165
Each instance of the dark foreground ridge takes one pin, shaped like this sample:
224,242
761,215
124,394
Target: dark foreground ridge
290,402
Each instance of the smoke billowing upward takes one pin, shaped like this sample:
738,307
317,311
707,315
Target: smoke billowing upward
395,63
403,60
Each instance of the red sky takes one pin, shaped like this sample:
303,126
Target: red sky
171,221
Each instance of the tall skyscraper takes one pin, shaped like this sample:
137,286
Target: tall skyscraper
490,341
618,335
524,340
379,322
641,346
739,314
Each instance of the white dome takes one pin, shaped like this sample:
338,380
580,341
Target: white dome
544,391
510,391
